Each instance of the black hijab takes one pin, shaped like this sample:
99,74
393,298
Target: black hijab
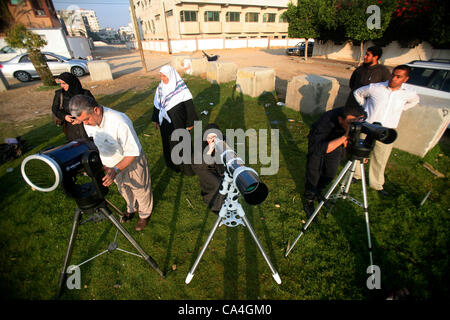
73,82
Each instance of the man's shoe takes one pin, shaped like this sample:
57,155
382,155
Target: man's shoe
383,192
141,224
308,206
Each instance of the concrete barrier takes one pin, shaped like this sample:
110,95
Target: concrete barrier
100,70
311,94
199,66
254,81
178,63
221,72
4,86
421,127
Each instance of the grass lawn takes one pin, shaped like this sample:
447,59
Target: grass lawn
410,242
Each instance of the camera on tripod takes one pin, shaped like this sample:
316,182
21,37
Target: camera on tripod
361,148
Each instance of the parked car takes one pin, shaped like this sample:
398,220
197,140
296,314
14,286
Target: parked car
431,78
299,49
21,68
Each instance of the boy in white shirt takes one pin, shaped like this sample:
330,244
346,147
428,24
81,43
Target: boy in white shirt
384,102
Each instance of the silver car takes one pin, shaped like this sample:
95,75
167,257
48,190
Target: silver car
21,68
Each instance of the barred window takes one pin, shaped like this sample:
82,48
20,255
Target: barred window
186,16
269,17
251,17
212,16
233,16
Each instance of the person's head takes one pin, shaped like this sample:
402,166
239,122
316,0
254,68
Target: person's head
373,55
86,110
167,73
400,75
69,83
351,112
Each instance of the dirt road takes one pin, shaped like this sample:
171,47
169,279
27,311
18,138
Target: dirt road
24,102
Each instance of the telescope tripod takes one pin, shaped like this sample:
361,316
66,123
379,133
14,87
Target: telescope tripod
231,214
345,177
99,213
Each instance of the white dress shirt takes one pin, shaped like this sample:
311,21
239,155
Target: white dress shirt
115,137
383,104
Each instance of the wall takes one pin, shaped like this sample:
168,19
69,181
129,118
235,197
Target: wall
56,41
79,46
393,54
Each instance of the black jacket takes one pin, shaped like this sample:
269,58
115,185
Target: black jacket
364,75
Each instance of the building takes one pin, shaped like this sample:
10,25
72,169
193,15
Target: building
180,19
79,22
126,32
32,14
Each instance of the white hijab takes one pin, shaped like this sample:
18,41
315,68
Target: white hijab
169,95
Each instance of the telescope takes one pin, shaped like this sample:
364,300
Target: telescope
361,148
65,165
252,189
62,165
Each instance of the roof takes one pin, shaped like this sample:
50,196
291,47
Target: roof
430,64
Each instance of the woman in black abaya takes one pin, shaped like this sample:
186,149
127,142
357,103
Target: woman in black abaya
70,87
173,109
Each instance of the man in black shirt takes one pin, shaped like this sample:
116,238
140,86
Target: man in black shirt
327,140
369,72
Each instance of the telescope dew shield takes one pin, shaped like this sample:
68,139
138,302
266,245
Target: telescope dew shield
46,170
252,189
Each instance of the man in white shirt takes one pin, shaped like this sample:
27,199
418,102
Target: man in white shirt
384,102
121,154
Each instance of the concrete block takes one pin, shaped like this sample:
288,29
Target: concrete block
100,70
254,81
4,86
421,127
178,63
311,94
199,66
221,72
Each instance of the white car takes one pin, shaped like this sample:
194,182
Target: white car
431,78
21,68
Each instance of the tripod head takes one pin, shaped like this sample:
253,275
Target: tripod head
361,148
65,165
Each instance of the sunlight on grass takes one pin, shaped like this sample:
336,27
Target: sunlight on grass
410,241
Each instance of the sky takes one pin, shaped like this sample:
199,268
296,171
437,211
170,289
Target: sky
110,13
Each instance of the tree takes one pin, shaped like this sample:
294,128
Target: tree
355,17
19,37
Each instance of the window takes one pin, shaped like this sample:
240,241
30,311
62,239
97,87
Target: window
50,58
157,17
37,7
233,16
153,27
420,76
169,13
269,17
438,80
212,16
25,59
251,17
186,16
282,19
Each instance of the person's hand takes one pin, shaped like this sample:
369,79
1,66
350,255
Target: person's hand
156,125
110,175
190,128
345,141
69,118
366,160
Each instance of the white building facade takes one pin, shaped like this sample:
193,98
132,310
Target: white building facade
229,19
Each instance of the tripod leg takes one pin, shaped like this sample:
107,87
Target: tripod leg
73,235
366,212
275,274
107,213
211,234
349,181
329,192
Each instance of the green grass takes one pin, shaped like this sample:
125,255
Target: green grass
410,241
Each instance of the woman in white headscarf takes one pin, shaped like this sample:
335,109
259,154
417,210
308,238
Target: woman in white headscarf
173,109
